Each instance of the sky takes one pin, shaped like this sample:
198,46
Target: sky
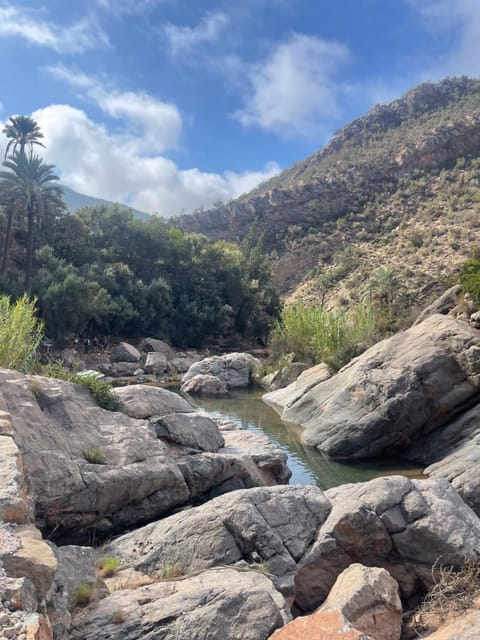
172,105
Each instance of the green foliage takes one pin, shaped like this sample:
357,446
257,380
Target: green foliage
108,566
94,455
315,335
101,272
100,390
20,333
470,279
83,595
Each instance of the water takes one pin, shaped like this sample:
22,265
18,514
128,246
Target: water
308,465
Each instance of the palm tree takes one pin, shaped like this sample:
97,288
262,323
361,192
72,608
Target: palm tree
23,132
28,187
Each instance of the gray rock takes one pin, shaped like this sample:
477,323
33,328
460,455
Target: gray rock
152,345
190,430
15,505
156,363
307,380
118,369
125,352
205,385
443,304
368,598
236,370
393,394
220,604
144,401
306,538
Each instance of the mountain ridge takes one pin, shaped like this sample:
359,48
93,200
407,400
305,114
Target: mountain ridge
361,178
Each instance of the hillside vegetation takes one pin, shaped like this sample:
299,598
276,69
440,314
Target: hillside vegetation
397,188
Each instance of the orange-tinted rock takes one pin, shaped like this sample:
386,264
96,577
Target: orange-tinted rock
323,625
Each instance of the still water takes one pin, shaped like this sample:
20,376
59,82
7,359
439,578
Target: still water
308,465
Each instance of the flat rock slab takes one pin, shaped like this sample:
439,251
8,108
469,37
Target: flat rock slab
393,394
222,604
143,401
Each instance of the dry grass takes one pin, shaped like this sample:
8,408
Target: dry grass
454,593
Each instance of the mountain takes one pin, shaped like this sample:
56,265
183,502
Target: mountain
75,200
398,187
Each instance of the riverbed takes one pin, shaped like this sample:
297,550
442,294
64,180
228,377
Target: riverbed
308,466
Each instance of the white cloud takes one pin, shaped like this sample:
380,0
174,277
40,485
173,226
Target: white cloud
184,40
126,7
76,38
96,162
457,22
295,89
152,124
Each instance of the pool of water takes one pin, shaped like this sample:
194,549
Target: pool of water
308,465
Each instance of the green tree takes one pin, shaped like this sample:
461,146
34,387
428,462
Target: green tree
22,132
29,184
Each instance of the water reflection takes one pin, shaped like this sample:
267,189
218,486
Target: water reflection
308,465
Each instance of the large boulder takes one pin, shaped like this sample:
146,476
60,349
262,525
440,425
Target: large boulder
152,345
453,452
125,352
443,304
393,394
322,625
305,538
280,399
96,472
204,384
236,370
156,363
221,604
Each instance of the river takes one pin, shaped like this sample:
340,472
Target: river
309,466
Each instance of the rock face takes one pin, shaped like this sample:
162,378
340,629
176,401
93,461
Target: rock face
393,394
368,598
281,399
235,370
205,385
91,469
125,352
307,538
323,625
223,603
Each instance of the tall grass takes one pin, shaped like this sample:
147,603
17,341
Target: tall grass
315,335
20,333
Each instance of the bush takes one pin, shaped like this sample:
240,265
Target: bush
316,335
470,279
83,595
94,455
20,333
108,567
100,390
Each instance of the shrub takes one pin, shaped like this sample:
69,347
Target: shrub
100,390
108,567
20,333
470,279
316,335
94,455
83,595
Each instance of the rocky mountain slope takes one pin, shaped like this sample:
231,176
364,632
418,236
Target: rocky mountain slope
397,187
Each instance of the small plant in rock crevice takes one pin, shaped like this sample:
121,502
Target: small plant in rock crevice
94,455
83,595
108,566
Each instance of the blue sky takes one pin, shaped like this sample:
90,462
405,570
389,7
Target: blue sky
169,105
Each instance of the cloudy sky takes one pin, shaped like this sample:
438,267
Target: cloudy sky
169,105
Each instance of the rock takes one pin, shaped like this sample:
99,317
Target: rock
396,392
236,370
465,627
307,538
96,473
306,381
190,430
144,401
156,363
15,505
453,452
443,304
322,625
205,385
118,369
475,319
368,598
222,604
75,566
30,557
283,377
262,526
152,345
125,352
405,526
